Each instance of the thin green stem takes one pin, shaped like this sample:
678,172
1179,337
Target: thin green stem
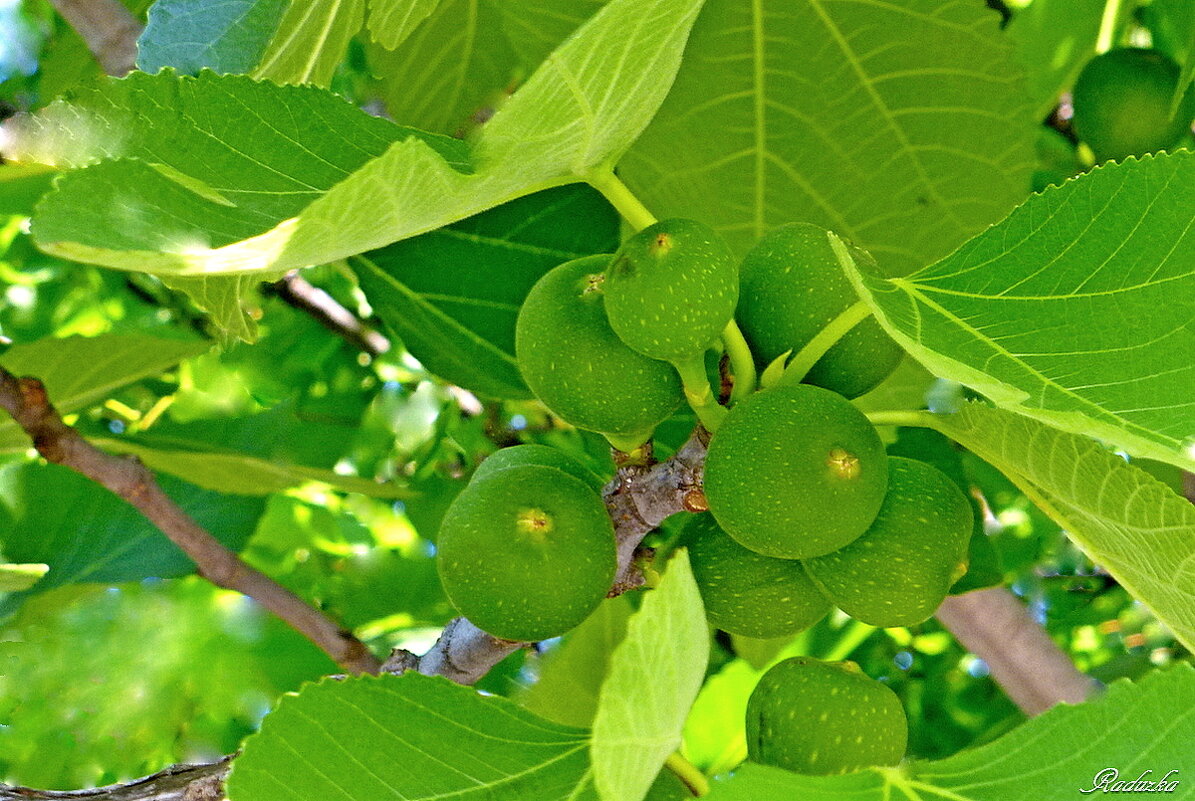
1103,42
698,393
907,417
742,363
688,773
816,348
621,198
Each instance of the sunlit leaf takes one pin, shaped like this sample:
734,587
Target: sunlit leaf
654,676
1077,310
1127,521
410,737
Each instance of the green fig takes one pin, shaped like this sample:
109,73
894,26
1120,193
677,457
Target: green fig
573,361
792,286
1122,102
535,454
900,569
795,471
824,718
746,593
526,553
671,290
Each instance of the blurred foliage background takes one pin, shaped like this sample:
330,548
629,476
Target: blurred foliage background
101,682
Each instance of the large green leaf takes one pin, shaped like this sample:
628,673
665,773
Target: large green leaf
579,112
80,371
52,515
901,124
452,295
1132,729
190,35
190,163
454,63
655,674
392,21
409,737
1126,520
1078,310
311,41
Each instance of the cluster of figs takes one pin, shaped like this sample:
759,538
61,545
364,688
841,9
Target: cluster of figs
806,509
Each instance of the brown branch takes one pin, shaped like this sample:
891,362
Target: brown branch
178,783
325,309
26,400
1033,671
109,30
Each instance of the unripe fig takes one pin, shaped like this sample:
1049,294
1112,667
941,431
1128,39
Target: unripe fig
574,362
747,593
792,286
535,454
823,718
899,571
672,289
526,553
795,471
1122,103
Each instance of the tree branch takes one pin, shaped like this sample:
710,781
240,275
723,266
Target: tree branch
1033,671
109,30
305,296
26,400
177,783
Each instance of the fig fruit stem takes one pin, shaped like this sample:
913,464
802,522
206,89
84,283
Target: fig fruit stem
742,363
1103,42
621,198
688,773
817,347
698,393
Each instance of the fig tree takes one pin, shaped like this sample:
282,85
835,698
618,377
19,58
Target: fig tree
527,552
795,471
792,286
574,362
747,593
1122,102
535,454
672,289
823,718
900,569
